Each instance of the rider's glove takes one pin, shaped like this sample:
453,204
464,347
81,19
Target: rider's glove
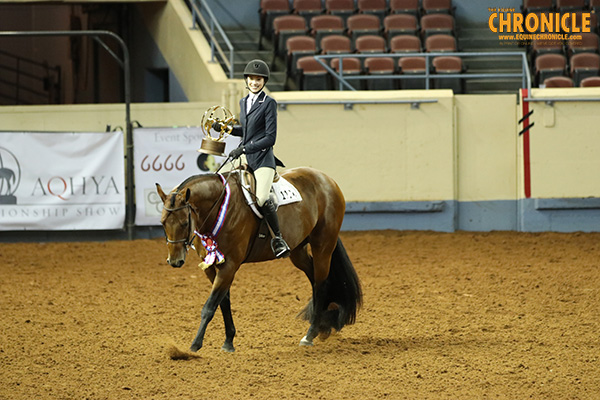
235,153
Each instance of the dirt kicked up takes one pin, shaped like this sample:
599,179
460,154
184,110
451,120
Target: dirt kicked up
463,315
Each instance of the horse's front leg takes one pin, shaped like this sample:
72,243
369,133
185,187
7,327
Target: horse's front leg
219,295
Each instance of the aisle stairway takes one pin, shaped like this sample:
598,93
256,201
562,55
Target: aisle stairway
483,40
246,45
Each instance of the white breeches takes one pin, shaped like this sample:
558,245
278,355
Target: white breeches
264,180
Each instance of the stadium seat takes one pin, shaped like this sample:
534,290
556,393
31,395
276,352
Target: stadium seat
370,44
312,75
336,44
324,25
297,47
437,7
399,24
405,7
269,10
448,65
373,7
375,66
563,6
433,24
544,46
535,6
412,66
584,65
441,42
362,24
549,65
405,44
591,81
587,44
286,26
342,8
350,67
307,8
558,82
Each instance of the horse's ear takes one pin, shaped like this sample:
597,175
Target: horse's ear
187,195
162,194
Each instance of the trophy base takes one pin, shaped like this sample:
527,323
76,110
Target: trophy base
212,147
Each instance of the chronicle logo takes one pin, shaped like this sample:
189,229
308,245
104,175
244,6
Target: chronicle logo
10,176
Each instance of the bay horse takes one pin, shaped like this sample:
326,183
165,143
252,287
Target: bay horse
310,227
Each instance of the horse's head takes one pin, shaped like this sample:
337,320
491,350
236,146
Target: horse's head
178,223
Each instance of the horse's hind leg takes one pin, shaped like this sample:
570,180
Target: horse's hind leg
301,258
317,270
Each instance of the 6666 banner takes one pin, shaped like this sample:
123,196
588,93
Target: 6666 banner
168,156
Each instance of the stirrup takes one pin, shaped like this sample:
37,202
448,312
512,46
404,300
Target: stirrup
283,249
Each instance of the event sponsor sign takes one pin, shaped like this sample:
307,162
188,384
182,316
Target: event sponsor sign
61,181
168,156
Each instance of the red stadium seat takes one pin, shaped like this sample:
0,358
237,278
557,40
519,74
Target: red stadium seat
324,25
312,75
584,65
549,65
559,82
404,7
399,24
591,81
437,7
363,24
448,65
269,10
441,42
375,66
412,66
405,44
297,47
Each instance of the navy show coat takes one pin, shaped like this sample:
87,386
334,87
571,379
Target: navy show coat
258,131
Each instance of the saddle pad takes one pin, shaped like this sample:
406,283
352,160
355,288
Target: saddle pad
286,192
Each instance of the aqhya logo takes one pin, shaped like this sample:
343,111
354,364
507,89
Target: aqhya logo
10,176
66,188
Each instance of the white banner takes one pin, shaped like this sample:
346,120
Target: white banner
62,181
168,156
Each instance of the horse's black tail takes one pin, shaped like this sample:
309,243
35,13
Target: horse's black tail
339,298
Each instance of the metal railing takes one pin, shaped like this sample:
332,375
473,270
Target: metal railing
29,81
124,63
427,76
211,26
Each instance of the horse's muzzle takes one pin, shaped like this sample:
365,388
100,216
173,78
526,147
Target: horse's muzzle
176,263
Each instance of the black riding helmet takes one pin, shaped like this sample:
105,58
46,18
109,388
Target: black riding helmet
258,68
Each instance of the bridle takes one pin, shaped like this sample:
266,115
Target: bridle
186,241
193,232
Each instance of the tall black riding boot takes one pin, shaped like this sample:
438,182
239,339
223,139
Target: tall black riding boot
278,245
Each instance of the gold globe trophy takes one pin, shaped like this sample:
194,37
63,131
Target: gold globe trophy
216,145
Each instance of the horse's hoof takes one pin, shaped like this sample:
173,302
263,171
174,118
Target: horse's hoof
194,349
306,342
228,348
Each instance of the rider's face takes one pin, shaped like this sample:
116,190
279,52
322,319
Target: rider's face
256,83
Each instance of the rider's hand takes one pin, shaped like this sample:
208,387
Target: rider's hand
235,153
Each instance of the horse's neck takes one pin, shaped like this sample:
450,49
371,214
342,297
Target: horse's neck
207,195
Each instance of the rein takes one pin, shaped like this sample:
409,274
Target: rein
208,240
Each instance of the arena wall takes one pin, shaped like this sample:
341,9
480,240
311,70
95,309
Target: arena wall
454,164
